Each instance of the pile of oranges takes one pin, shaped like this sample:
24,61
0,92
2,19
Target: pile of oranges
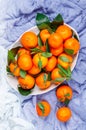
40,61
63,113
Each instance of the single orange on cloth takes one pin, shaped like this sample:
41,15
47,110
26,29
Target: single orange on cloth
42,81
56,75
29,40
63,114
26,83
39,60
64,31
43,108
55,40
64,60
34,70
25,62
44,35
15,70
64,92
71,46
57,51
51,63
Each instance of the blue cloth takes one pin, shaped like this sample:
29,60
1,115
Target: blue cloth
17,16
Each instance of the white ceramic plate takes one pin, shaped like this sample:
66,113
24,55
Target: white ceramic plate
13,81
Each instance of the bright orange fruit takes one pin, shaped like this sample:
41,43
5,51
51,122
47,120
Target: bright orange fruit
44,35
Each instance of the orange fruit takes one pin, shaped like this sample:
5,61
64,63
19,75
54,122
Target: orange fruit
14,69
71,44
55,74
64,31
63,114
64,92
29,40
26,83
23,51
64,60
37,58
57,51
25,61
43,108
42,81
51,63
34,70
55,40
44,35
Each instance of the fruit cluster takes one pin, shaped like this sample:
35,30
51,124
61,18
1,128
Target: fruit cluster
63,113
45,58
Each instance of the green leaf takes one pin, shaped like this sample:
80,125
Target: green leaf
64,59
57,22
66,102
40,63
41,106
49,76
69,51
59,79
23,73
46,54
67,95
24,92
74,35
67,72
45,78
35,50
11,54
41,18
43,22
7,69
39,41
47,46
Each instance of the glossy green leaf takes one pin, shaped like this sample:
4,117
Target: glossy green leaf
64,59
49,76
24,92
41,106
59,79
57,22
46,54
23,73
11,54
35,50
40,63
45,78
39,41
47,46
69,51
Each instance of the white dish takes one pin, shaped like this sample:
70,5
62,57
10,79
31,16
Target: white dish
13,81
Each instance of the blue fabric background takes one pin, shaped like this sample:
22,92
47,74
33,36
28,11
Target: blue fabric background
16,16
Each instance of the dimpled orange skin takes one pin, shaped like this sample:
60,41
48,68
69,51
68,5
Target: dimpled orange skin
37,57
44,35
57,51
55,40
55,74
52,61
29,40
63,114
64,31
62,91
63,63
25,62
14,69
34,70
41,83
27,82
72,44
47,109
